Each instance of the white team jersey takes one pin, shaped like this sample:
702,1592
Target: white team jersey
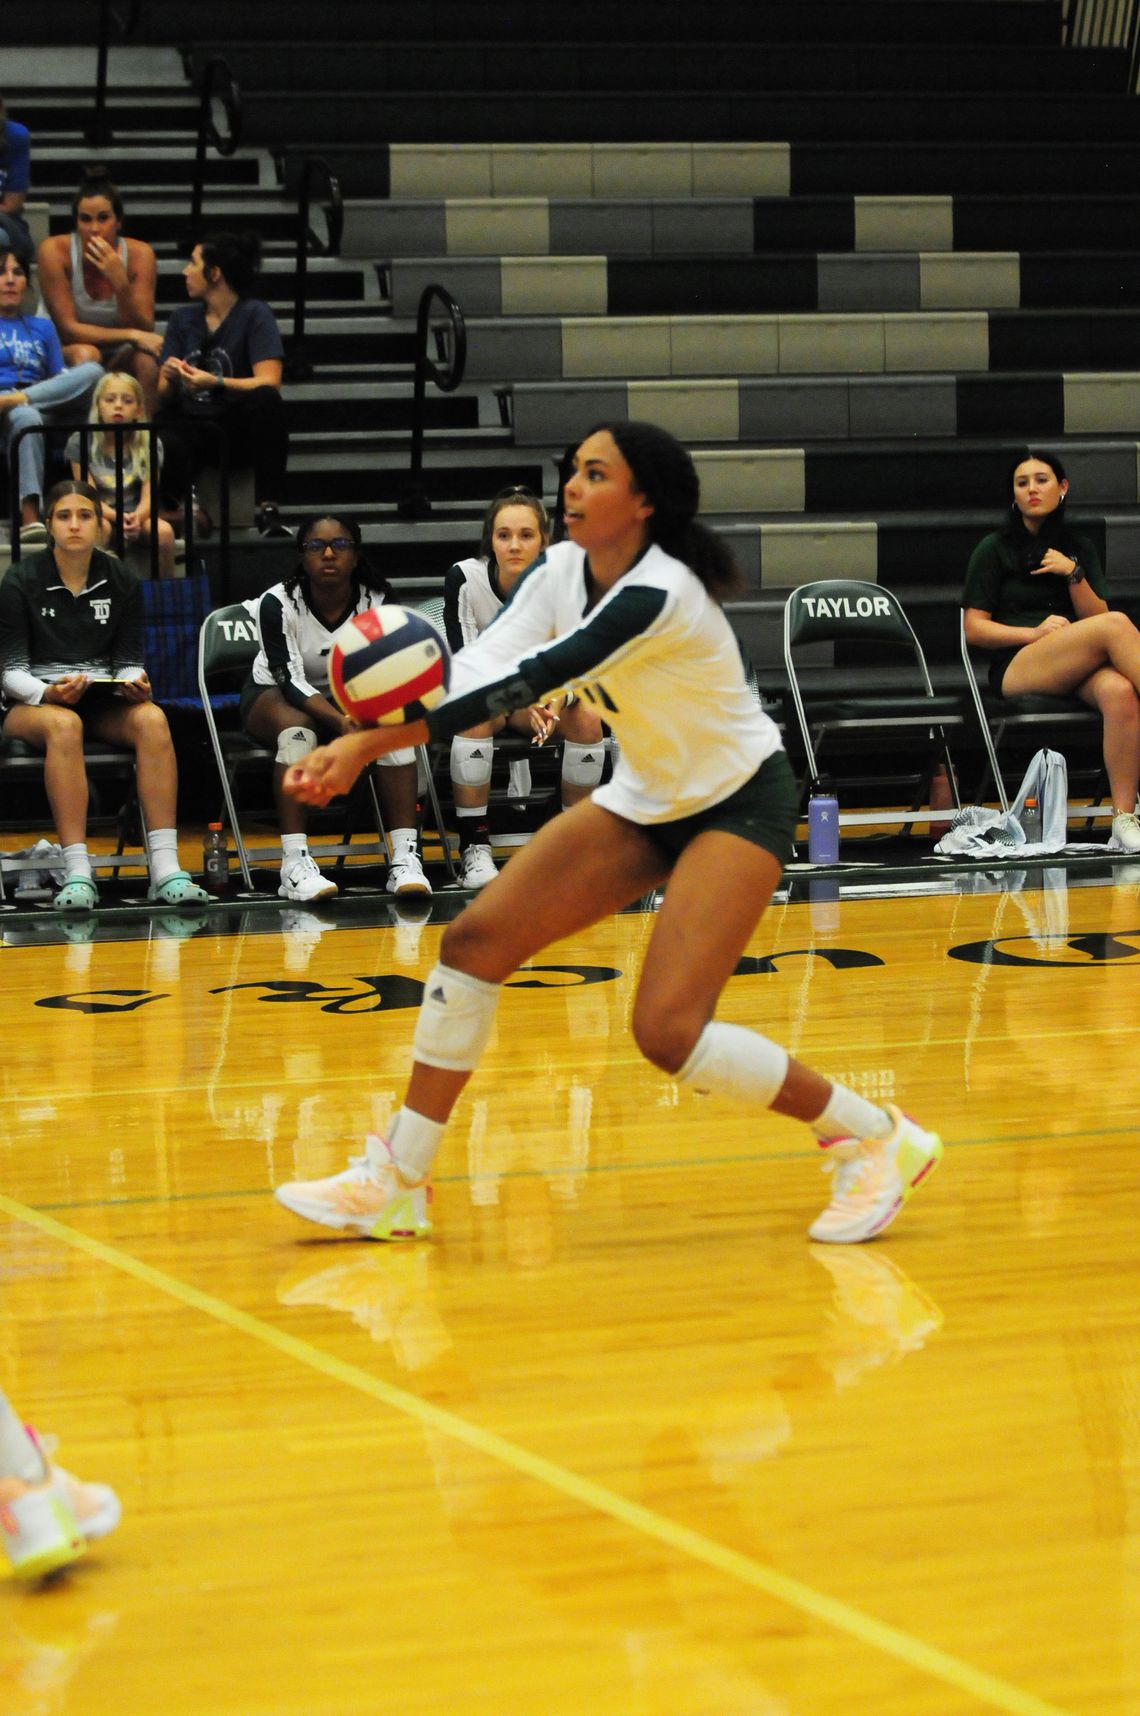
295,642
477,603
656,659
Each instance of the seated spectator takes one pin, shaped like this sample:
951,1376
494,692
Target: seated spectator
516,530
36,388
118,398
286,704
98,288
15,156
221,365
71,626
1035,595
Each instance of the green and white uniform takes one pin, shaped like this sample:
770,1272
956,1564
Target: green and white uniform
655,657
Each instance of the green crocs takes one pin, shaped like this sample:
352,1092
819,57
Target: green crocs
78,894
179,890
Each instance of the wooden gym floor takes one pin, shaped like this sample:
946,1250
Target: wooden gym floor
620,1439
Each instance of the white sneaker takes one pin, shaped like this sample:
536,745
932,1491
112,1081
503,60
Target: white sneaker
47,1525
478,867
369,1199
302,880
406,875
1126,831
873,1178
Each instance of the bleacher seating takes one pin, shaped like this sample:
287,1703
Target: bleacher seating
804,238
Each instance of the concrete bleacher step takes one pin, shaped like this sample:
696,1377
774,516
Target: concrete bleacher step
468,67
169,168
630,115
680,284
378,476
278,21
749,166
550,348
758,227
827,407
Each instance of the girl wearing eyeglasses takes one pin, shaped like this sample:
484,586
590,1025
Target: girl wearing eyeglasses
285,703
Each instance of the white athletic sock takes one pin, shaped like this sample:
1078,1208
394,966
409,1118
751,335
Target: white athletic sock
77,860
850,1116
292,846
19,1456
403,841
162,845
414,1142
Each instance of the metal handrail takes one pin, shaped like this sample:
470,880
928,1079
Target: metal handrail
99,132
298,367
217,80
85,431
447,375
1105,24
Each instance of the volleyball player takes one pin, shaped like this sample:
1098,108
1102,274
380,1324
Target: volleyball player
47,1517
626,611
516,529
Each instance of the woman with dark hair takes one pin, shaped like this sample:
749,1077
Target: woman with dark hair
98,287
626,611
71,632
285,702
516,529
221,365
1036,596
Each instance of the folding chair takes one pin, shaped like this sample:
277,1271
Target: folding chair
899,698
1040,718
227,644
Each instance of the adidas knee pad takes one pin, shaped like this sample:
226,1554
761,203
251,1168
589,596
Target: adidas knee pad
294,744
471,761
728,1060
582,764
455,1019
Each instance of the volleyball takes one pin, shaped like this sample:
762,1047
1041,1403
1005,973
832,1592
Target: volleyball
388,665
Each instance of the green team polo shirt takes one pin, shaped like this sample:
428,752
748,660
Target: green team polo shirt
997,582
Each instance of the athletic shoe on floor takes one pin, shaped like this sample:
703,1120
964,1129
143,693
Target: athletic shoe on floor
48,1525
1126,831
372,1202
406,875
478,867
302,880
873,1178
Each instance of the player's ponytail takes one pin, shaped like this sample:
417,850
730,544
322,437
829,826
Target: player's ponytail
663,471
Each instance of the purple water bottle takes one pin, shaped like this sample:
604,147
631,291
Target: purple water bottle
823,823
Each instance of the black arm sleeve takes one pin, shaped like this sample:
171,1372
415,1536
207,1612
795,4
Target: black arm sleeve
452,585
271,625
612,632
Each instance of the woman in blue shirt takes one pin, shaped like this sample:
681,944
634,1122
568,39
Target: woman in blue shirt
36,388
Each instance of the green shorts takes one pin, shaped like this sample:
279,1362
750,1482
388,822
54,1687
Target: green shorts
763,811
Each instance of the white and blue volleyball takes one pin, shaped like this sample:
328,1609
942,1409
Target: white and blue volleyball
388,665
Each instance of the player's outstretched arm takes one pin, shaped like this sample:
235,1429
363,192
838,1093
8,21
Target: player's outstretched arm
330,770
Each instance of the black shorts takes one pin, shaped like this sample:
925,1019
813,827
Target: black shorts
999,661
762,811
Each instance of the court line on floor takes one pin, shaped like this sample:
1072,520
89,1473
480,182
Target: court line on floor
793,1593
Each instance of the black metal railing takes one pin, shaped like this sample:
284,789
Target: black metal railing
1106,24
297,365
218,85
85,431
446,370
126,19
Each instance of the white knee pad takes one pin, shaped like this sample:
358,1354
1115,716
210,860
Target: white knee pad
582,764
471,761
728,1060
294,744
455,1019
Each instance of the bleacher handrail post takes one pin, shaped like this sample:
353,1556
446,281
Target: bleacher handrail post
297,367
447,376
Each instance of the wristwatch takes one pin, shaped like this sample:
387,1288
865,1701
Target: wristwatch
1077,575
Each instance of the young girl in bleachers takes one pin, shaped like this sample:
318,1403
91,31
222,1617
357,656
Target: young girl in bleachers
118,399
